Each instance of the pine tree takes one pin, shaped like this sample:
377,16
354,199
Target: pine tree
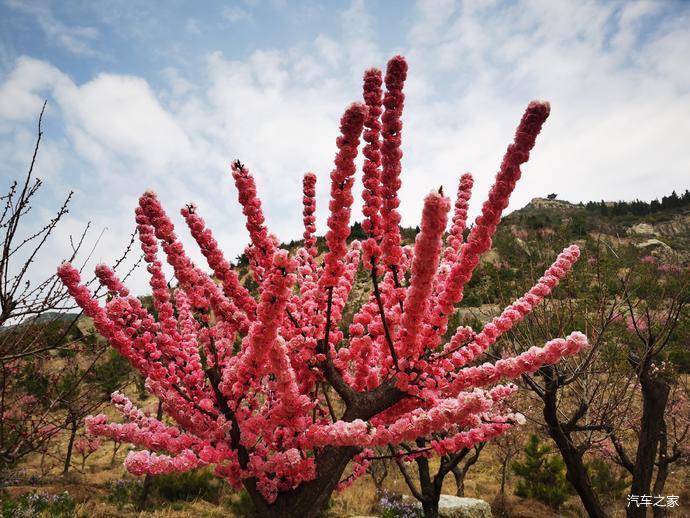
542,474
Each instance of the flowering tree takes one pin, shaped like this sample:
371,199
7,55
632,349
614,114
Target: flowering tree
272,392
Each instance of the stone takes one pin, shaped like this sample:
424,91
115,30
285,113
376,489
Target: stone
641,229
653,243
450,506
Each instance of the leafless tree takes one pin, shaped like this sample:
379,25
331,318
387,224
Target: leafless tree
36,325
586,401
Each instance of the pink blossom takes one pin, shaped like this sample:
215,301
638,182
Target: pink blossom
391,154
372,159
479,240
340,205
427,252
221,267
263,244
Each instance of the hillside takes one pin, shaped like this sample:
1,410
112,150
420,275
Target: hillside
666,230
525,243
660,227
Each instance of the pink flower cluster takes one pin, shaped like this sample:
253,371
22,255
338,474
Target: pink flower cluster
391,155
220,266
342,180
245,381
479,240
86,445
424,264
263,244
455,234
371,177
309,203
514,313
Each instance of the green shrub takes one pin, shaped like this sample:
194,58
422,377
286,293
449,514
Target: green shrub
680,359
606,481
37,503
542,474
123,492
186,486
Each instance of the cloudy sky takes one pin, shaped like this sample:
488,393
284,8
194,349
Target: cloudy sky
163,95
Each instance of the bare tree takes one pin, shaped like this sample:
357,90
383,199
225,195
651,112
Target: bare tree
580,399
656,310
36,326
631,312
506,446
424,483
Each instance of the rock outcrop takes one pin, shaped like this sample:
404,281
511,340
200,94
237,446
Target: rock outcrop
451,506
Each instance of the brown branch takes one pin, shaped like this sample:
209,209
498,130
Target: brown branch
406,475
386,331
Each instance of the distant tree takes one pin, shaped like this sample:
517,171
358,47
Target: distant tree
603,208
542,474
656,302
552,196
615,394
38,334
507,446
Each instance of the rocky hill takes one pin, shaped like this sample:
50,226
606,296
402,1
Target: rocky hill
661,228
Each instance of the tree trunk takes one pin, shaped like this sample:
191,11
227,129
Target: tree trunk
504,469
655,392
310,498
431,489
70,444
459,475
502,492
659,483
576,472
116,448
662,472
430,507
460,472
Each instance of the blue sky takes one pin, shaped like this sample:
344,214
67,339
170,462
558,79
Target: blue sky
163,95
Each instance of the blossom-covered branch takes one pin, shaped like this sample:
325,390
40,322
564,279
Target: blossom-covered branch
248,383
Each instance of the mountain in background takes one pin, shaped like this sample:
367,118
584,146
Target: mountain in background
659,227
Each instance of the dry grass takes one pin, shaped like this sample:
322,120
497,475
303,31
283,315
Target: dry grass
89,489
482,482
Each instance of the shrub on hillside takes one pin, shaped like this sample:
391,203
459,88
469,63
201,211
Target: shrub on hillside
542,475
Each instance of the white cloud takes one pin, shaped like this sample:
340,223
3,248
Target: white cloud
629,20
614,105
77,40
121,114
20,93
358,37
328,49
235,13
